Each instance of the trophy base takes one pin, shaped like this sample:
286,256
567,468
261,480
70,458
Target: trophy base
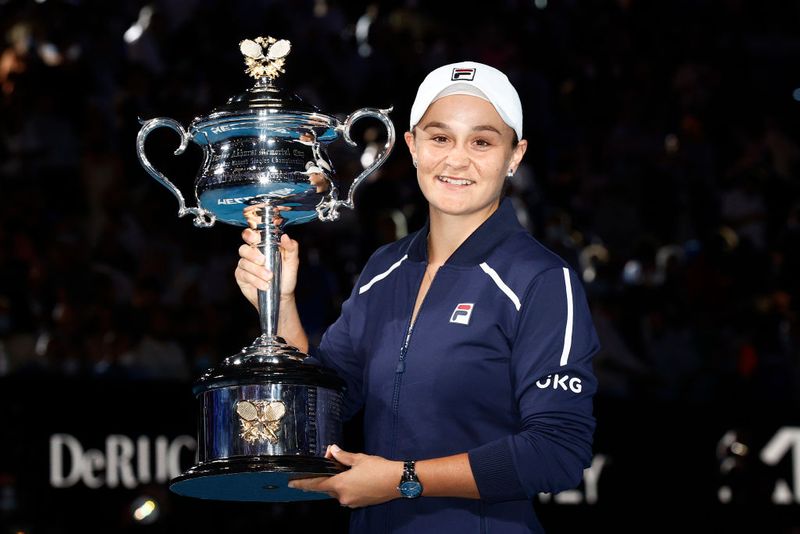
256,479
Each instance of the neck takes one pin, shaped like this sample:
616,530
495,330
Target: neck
448,232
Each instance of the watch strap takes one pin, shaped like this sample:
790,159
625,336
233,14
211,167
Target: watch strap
409,471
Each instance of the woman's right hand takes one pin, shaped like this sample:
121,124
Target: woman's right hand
251,275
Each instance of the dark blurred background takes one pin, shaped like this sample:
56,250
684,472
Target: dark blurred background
663,166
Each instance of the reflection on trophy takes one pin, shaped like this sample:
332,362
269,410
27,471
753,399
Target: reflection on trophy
265,416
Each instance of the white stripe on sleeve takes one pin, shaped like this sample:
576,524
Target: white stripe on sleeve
568,329
503,287
384,274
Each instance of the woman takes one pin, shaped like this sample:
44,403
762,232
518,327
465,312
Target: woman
467,343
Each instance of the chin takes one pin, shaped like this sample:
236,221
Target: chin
455,209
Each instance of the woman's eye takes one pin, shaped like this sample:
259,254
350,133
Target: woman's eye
439,138
482,142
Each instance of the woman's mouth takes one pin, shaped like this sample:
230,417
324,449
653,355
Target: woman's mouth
454,181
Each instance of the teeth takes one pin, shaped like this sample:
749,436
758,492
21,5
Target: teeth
454,181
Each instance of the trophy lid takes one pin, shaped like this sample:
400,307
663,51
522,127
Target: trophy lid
265,57
265,95
265,102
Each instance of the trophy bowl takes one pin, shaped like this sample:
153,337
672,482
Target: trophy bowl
265,415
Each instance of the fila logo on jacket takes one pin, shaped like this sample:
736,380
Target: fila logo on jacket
462,313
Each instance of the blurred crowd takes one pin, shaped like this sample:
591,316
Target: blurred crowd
663,166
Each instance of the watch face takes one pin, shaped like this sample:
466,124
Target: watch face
410,489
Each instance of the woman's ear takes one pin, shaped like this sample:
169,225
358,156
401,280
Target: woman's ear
516,155
412,147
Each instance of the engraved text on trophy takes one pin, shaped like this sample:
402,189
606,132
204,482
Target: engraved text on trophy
243,156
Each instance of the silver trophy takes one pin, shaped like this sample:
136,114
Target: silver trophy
265,415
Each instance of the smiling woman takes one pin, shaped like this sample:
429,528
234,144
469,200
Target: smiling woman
482,314
465,137
463,151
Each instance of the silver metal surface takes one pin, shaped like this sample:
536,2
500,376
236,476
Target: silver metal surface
266,166
329,210
269,301
311,423
265,156
264,415
203,218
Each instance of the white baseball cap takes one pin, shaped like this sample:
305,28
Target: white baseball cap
470,78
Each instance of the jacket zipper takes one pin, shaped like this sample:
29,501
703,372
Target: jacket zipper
401,363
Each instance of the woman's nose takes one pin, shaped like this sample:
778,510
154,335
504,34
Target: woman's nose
457,157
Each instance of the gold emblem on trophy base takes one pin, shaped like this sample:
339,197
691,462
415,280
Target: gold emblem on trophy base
260,420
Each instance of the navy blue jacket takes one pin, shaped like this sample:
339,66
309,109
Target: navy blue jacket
497,364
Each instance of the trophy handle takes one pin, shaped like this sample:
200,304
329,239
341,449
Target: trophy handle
203,218
329,211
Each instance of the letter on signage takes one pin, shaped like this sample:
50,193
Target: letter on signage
143,459
93,462
57,477
119,453
161,459
175,453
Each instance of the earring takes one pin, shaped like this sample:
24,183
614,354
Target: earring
414,161
510,173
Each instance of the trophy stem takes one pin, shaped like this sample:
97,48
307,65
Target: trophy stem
268,347
269,300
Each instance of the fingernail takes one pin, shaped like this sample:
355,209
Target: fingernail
291,484
335,448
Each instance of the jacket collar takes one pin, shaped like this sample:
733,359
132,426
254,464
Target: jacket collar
476,248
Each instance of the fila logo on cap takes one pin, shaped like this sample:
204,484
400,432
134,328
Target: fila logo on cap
462,313
463,75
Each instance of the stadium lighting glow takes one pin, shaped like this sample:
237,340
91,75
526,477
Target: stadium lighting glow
368,157
136,30
144,510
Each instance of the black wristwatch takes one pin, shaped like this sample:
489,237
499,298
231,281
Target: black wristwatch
410,487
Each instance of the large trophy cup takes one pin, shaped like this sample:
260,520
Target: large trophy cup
265,415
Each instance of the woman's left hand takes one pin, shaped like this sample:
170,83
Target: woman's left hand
370,479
